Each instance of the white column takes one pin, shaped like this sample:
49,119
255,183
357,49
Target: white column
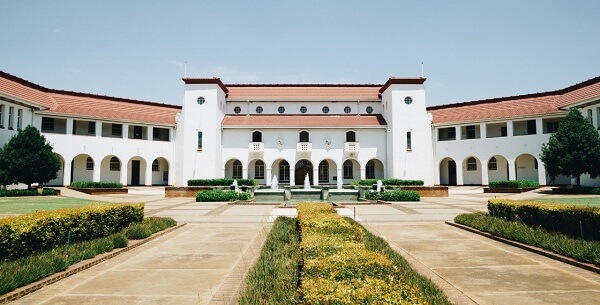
484,173
541,173
124,173
148,178
67,173
316,175
512,169
459,173
97,170
363,173
268,177
340,180
292,176
509,129
98,129
69,126
150,133
125,131
482,131
244,173
539,127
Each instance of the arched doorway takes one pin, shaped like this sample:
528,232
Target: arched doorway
303,167
137,171
497,168
110,169
257,170
281,170
471,171
82,168
59,175
234,169
374,169
526,168
448,171
160,171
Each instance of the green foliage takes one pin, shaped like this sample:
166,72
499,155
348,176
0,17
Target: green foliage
21,193
560,218
28,158
513,184
96,185
578,190
586,251
574,149
339,268
220,195
28,269
221,182
274,278
41,231
369,182
397,195
149,226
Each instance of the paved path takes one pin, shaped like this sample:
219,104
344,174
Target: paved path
204,262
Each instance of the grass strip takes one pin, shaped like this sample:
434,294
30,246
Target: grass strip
585,251
274,278
25,270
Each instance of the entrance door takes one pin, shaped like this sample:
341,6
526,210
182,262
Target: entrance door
303,167
135,172
451,172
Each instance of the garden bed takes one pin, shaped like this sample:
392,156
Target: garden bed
508,189
101,191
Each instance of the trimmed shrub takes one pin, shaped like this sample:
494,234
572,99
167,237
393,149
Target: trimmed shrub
220,195
577,190
149,226
41,231
396,195
586,251
566,219
20,193
221,182
95,185
513,184
397,182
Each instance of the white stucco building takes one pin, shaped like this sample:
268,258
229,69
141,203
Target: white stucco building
335,133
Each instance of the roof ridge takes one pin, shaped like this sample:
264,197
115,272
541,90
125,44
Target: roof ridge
304,85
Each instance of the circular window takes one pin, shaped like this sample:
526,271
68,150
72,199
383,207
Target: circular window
237,109
303,109
369,109
200,100
325,109
408,100
347,109
281,109
259,109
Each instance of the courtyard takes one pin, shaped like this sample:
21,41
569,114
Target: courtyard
204,262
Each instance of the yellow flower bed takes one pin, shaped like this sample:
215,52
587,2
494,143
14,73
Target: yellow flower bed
338,269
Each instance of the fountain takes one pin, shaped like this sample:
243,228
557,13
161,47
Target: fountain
235,186
274,194
379,186
274,183
306,182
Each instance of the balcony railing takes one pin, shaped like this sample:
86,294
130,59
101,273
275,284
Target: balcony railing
304,148
256,148
352,147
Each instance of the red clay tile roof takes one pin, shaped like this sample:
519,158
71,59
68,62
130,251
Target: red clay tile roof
303,92
88,105
513,106
303,120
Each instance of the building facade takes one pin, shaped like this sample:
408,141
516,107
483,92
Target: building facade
329,134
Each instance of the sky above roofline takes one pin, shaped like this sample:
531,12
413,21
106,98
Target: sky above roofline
470,50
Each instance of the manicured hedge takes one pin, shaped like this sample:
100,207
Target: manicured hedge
41,231
585,251
221,182
513,184
19,193
577,190
96,185
339,269
369,182
220,195
561,218
397,195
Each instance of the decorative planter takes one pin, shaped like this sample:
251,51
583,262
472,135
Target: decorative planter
508,189
99,191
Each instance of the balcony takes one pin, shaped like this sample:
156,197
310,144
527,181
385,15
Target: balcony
304,148
256,148
351,148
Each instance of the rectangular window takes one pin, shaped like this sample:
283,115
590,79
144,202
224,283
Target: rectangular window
92,128
137,132
1,116
597,117
503,131
348,170
552,127
199,140
166,176
590,116
452,133
11,113
470,132
89,164
155,166
408,141
117,130
47,124
19,119
155,133
324,172
531,129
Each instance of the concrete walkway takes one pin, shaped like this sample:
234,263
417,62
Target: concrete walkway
205,261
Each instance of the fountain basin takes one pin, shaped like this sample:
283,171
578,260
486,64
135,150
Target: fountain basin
306,194
267,195
343,195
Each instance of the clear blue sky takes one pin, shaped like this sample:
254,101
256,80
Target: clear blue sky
136,49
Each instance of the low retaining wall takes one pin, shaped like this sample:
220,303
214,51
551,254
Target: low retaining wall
189,191
98,191
508,189
424,191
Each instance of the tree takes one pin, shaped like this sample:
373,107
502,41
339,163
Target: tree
574,149
28,158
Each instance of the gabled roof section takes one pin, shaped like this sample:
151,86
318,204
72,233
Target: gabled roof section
303,92
94,106
551,102
210,80
348,121
402,81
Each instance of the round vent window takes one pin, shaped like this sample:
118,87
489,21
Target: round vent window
347,109
369,109
259,109
408,100
237,109
281,109
200,100
325,109
303,109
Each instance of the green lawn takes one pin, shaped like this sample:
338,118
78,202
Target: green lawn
591,201
21,205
